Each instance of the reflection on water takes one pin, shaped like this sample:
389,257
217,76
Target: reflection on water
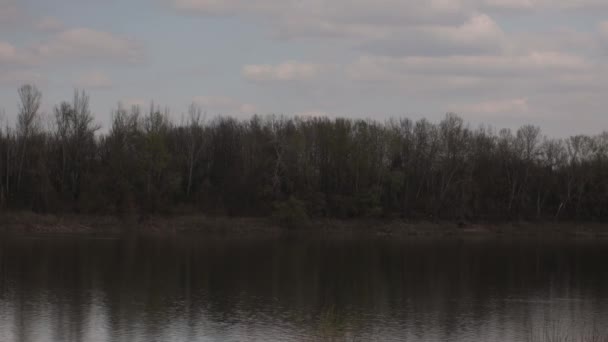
294,289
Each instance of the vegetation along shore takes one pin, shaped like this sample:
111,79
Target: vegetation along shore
294,171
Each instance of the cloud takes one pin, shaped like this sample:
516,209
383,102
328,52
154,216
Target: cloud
223,105
509,106
287,71
559,5
479,29
10,13
378,68
603,28
512,4
16,78
94,79
602,32
88,44
380,22
312,114
479,34
82,45
557,39
134,102
247,108
331,17
50,24
377,12
8,53
482,57
363,20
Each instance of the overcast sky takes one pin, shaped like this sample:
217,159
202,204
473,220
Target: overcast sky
501,62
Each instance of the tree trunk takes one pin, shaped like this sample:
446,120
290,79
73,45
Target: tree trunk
21,161
190,171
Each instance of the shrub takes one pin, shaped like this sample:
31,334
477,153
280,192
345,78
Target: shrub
290,213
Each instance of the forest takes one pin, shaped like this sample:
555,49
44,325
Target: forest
310,167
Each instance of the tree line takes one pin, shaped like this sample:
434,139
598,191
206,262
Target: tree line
313,166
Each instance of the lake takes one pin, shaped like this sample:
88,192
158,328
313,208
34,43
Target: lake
301,288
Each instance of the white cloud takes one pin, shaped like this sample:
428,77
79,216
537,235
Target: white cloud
353,10
384,26
480,28
509,106
559,39
94,79
288,71
8,53
603,27
247,108
602,31
84,43
544,4
479,34
11,55
482,57
223,105
368,19
332,17
512,4
378,68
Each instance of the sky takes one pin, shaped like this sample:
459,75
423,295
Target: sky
504,63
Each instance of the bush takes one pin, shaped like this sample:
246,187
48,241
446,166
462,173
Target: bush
290,213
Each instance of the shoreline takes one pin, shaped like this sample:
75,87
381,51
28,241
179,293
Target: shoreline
31,223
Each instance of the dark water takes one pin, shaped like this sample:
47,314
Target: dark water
300,289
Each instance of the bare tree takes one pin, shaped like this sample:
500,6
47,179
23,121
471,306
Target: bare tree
75,133
31,99
4,141
63,115
528,139
195,141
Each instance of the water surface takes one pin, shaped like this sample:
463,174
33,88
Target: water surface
198,288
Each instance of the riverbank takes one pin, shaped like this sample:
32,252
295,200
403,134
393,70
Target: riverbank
26,222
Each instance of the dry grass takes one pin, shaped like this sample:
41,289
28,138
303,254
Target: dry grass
556,332
27,222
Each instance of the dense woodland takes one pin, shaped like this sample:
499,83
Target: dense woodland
309,167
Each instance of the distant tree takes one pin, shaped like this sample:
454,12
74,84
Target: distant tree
195,142
30,100
295,168
75,134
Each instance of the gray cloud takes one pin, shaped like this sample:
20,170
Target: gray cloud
10,13
224,105
80,44
503,106
334,18
368,19
287,71
50,24
84,43
485,58
93,80
15,78
480,34
559,5
530,64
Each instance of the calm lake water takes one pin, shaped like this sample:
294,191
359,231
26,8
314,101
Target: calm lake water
300,289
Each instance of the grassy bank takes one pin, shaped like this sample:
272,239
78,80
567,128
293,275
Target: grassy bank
27,222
